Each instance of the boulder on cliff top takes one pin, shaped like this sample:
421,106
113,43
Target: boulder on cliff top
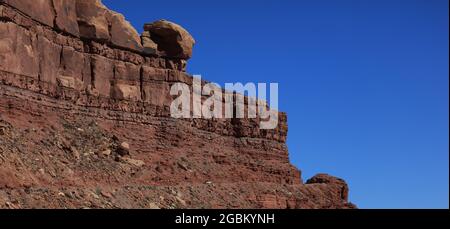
173,40
331,180
324,179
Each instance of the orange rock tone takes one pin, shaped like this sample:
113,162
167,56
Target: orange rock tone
85,122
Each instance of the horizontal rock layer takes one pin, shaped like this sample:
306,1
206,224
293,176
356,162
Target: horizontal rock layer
87,19
93,74
55,154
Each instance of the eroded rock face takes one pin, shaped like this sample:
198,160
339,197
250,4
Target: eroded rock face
40,10
172,39
123,34
99,23
92,18
18,50
68,104
339,184
66,16
149,45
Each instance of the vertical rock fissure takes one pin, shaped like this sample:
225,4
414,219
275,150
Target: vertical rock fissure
54,13
141,82
61,59
39,62
93,76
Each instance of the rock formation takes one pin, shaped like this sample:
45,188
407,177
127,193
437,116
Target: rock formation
85,122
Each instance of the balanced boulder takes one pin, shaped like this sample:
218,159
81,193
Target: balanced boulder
173,41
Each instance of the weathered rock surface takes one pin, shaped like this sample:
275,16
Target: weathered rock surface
99,23
92,18
39,10
85,122
149,45
123,34
66,16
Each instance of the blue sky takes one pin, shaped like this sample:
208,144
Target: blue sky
365,83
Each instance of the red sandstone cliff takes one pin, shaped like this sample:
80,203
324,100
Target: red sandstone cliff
85,122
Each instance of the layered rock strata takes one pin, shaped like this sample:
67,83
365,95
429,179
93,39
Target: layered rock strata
79,87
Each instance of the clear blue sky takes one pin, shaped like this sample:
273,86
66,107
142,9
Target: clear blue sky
365,83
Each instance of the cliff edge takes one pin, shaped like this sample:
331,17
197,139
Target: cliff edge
85,122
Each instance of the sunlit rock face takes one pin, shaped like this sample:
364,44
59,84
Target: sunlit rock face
85,122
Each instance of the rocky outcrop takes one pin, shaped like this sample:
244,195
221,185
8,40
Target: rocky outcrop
85,122
93,71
